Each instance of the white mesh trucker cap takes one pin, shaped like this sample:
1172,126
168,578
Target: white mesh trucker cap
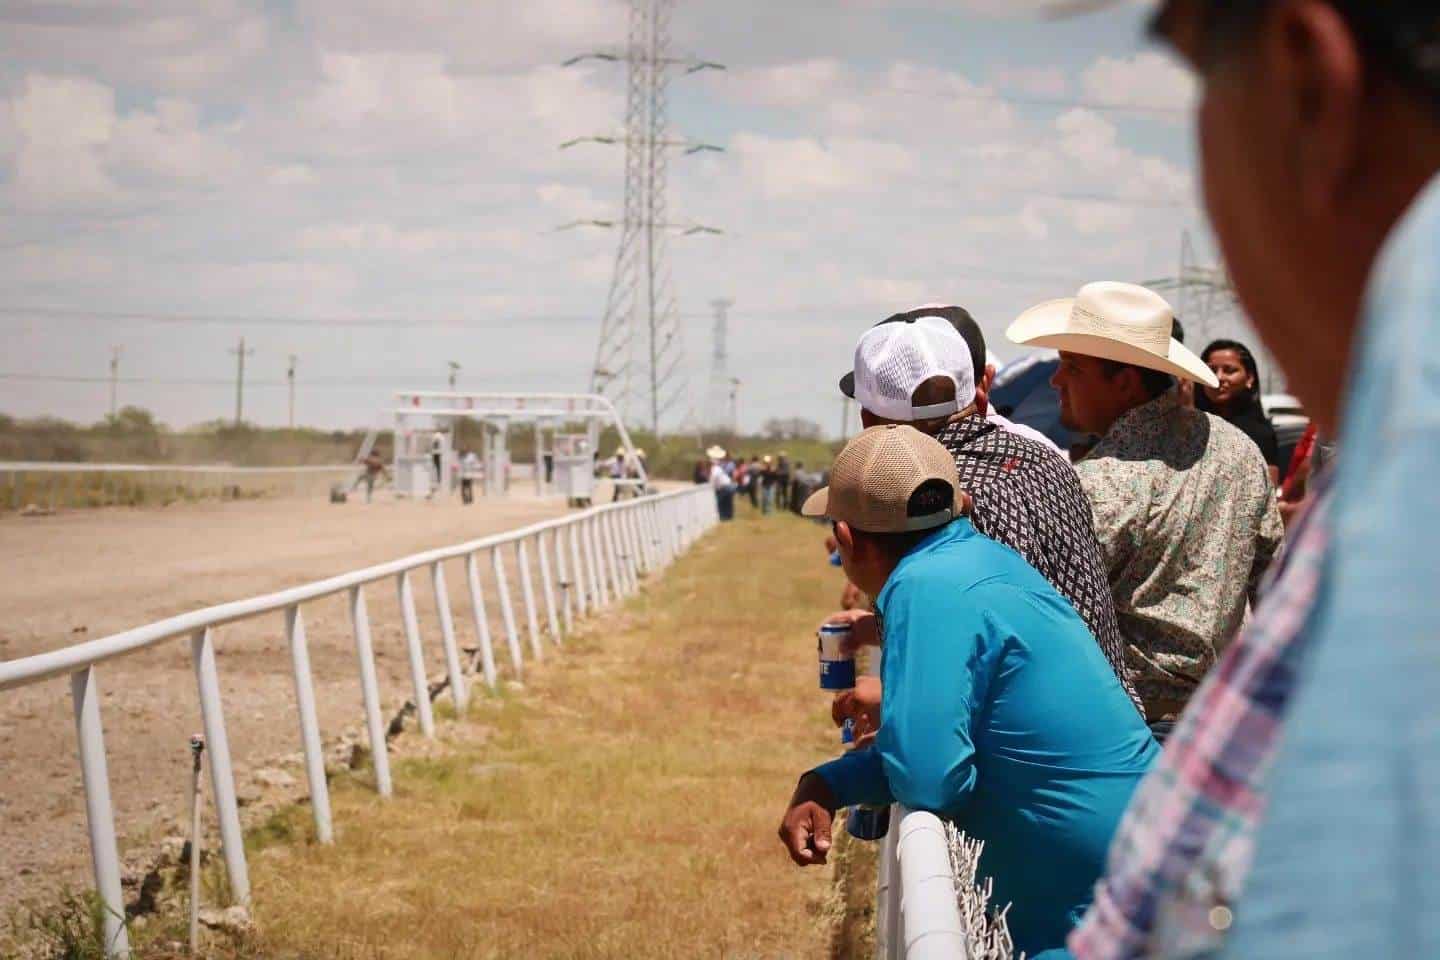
893,359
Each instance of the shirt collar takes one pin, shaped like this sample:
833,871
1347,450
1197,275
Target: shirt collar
1161,406
957,529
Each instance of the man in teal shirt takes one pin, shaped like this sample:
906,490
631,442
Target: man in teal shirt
999,710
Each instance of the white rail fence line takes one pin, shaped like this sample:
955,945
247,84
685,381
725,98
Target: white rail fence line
918,915
618,541
53,485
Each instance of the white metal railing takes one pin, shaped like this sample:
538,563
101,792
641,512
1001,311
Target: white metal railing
598,555
918,915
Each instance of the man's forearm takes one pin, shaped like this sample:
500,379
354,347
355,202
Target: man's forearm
857,777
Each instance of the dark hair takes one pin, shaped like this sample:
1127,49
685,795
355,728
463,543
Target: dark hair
1398,37
1252,397
964,325
930,497
1177,330
1155,382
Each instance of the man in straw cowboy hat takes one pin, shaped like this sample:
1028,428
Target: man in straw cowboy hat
1183,509
722,483
918,368
1000,710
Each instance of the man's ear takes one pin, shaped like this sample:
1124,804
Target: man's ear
983,383
844,536
1315,56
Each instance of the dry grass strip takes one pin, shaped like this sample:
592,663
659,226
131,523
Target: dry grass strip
622,804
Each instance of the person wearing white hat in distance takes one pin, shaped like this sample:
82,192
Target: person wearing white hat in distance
1183,508
722,483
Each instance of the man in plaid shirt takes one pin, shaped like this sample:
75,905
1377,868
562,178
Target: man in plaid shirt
1180,857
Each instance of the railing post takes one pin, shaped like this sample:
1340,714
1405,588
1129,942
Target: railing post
482,622
104,854
419,681
932,929
527,593
629,562
222,775
608,556
576,565
596,570
565,578
639,563
889,925
507,612
370,691
458,690
309,725
546,588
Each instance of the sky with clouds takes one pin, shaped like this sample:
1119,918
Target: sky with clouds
373,187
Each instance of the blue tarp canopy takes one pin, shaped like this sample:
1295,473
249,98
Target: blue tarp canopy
1023,393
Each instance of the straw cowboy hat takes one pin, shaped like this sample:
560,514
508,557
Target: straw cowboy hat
1113,321
716,453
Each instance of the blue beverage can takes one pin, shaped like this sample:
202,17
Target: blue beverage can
837,667
868,823
847,732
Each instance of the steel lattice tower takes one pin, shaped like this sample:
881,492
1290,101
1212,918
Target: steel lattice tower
640,341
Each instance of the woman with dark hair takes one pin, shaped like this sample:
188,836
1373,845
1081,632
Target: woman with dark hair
1237,399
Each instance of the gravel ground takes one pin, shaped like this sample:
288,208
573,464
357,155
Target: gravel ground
86,574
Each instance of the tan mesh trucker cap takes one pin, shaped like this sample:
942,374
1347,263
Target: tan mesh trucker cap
875,475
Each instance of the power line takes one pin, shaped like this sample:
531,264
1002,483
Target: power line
61,313
1101,106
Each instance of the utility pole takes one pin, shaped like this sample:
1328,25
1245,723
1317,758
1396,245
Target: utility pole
734,407
719,361
844,419
240,354
454,374
115,381
290,376
640,329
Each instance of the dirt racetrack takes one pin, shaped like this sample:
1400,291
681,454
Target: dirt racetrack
86,574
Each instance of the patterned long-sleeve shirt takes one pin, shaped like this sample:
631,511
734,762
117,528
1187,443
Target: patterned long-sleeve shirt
1028,497
1179,861
1187,526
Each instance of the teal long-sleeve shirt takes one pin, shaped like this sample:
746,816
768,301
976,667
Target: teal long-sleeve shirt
1000,712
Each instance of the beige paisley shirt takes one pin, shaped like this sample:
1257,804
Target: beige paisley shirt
1187,525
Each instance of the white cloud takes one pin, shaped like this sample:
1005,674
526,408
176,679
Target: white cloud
61,124
804,167
1147,79
1043,81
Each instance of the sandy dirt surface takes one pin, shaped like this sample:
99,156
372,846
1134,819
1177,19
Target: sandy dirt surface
86,574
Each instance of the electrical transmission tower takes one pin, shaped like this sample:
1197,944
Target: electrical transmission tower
1205,301
640,343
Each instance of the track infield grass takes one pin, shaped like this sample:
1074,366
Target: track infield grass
622,803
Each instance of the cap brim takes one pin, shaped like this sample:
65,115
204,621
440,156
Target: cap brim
817,504
1048,325
847,384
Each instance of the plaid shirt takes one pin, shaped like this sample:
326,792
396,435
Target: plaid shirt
1184,848
1028,497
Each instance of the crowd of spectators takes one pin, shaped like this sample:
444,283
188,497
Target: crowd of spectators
1185,693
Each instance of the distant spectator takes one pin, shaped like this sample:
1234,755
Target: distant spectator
374,470
782,481
753,476
999,710
769,479
721,483
469,470
1237,399
701,474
